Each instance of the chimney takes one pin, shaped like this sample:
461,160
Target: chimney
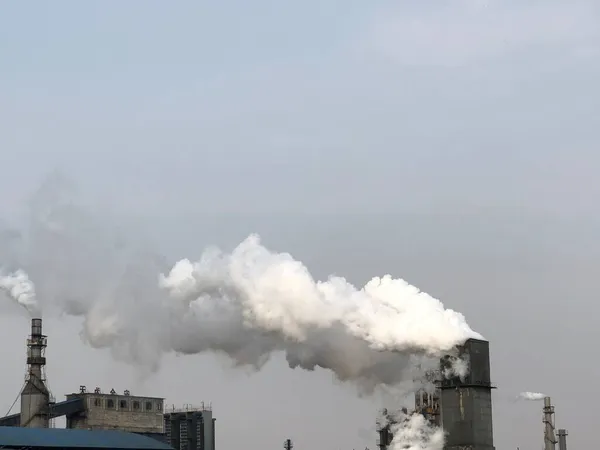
35,397
466,404
549,436
562,439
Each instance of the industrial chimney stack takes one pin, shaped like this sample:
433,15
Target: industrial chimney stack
549,436
562,439
466,403
35,397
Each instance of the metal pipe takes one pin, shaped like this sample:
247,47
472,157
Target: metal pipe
562,439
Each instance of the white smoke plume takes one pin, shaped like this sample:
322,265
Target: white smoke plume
531,396
273,303
457,367
246,304
19,287
411,431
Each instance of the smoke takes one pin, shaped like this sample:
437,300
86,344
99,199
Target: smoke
531,396
456,367
269,302
246,304
411,431
20,288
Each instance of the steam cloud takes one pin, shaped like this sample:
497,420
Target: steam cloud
20,288
412,431
247,304
531,396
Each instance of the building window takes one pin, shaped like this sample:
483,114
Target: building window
148,406
97,402
123,404
110,403
136,405
159,406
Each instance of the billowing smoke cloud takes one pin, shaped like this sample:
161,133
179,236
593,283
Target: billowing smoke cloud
411,431
19,287
272,303
246,304
531,396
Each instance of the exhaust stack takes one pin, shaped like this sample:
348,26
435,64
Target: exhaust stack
35,397
562,439
549,436
466,403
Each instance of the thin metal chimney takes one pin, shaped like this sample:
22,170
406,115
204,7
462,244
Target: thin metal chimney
35,397
562,439
548,420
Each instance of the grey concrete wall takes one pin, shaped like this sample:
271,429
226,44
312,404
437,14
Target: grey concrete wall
466,405
105,412
467,418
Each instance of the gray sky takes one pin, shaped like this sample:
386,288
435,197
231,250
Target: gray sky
451,144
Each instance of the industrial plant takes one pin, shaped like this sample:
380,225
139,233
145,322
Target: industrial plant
187,428
462,406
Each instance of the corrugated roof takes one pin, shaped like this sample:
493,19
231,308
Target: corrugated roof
16,437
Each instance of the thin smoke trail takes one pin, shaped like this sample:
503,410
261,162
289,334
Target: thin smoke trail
531,396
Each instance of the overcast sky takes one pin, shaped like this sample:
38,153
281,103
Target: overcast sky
450,143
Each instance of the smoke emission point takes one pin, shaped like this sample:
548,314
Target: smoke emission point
412,431
21,289
531,396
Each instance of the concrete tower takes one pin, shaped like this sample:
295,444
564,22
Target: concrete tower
35,397
466,404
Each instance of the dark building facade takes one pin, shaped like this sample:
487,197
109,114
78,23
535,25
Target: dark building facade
466,404
190,429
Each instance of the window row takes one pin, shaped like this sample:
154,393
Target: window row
136,405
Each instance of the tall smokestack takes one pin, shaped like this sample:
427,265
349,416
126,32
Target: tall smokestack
562,439
35,397
549,436
467,402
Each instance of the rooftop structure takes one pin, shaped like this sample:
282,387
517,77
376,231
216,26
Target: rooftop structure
190,428
56,438
112,411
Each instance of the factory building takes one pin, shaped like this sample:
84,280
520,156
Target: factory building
19,438
427,401
463,407
133,418
190,428
114,411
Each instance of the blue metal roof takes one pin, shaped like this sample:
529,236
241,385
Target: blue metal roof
16,437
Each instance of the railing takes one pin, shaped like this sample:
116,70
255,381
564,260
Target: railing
189,408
